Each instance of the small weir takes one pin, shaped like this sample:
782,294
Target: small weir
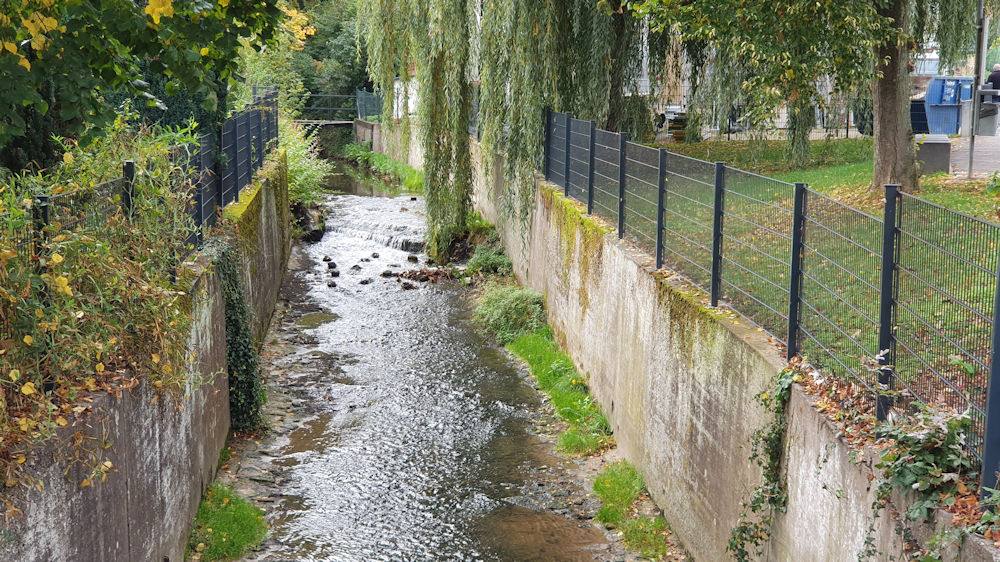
407,434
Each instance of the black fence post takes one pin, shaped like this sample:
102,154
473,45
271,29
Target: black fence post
217,171
40,219
886,357
661,191
991,428
566,176
128,194
622,143
795,285
236,158
590,169
547,143
720,198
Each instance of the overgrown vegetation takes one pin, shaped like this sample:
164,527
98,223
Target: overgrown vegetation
769,157
246,386
307,170
754,526
509,311
412,180
490,259
92,304
619,487
225,527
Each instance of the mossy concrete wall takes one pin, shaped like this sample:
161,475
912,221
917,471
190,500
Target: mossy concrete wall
164,446
263,221
678,383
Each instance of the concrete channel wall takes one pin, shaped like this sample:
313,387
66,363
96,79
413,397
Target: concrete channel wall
677,382
164,449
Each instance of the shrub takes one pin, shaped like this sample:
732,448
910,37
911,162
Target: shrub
490,259
306,169
509,311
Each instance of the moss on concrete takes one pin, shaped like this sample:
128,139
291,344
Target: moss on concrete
582,239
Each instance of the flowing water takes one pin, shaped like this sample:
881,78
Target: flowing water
413,438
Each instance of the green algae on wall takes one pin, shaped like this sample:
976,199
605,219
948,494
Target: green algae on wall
581,238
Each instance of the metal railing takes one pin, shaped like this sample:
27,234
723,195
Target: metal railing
902,306
369,104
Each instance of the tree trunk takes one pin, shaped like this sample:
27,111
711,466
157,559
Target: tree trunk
895,154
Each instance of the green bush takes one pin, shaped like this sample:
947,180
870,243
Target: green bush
226,526
490,259
306,169
508,311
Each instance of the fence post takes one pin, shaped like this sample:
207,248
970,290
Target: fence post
40,218
590,169
886,357
547,143
236,158
566,176
200,202
795,286
128,172
622,143
720,197
991,428
661,194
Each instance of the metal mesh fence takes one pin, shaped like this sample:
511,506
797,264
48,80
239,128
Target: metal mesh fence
688,214
946,275
757,245
641,194
369,105
841,266
556,159
606,157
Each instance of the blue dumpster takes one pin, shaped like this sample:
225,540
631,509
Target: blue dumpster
944,103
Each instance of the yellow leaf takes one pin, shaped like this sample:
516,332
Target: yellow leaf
29,340
68,157
204,51
24,62
61,421
108,465
156,358
85,483
56,258
7,44
28,388
15,374
20,459
39,313
99,367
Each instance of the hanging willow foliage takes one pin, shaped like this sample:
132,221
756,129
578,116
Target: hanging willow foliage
570,55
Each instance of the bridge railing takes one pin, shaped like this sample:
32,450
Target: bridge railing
329,107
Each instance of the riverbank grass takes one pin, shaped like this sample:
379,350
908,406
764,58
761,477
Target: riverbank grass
516,317
226,526
619,487
411,179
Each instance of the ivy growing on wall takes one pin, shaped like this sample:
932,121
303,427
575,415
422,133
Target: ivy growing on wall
246,388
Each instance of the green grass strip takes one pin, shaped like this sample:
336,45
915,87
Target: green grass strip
589,431
226,526
411,179
618,486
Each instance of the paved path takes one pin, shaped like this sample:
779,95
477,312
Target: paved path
987,157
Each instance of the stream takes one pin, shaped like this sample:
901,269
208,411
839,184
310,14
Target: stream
400,432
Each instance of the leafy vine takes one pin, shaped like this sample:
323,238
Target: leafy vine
754,526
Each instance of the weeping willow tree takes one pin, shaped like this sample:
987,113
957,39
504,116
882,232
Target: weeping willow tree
580,56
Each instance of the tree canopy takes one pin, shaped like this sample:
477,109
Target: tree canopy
59,57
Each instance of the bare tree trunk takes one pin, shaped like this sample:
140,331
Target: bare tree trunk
895,155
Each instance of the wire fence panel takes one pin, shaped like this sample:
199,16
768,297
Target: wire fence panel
606,174
89,209
641,194
229,181
579,159
687,220
841,270
369,105
557,148
757,242
947,269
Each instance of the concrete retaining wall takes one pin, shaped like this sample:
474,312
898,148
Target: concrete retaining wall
164,449
678,380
